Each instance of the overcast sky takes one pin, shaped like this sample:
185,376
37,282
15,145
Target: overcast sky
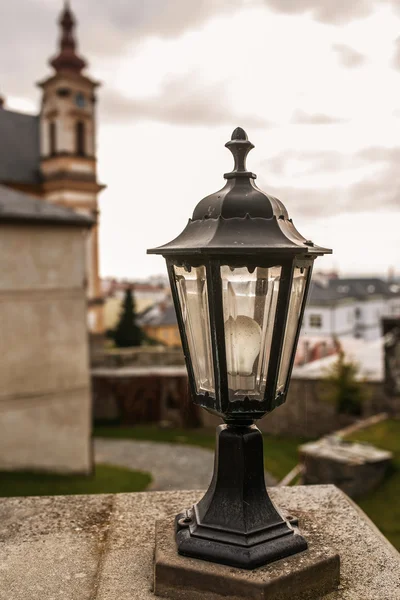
316,84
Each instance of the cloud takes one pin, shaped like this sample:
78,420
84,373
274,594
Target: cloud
348,56
327,11
396,55
378,154
377,192
28,30
300,117
312,162
112,24
183,100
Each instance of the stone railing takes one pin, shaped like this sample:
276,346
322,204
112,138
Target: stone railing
102,547
142,356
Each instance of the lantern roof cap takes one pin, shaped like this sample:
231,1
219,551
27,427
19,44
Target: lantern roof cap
240,218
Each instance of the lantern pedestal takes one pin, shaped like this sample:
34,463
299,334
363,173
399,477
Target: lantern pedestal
236,523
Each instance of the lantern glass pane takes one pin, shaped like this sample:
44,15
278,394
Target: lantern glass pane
193,298
249,305
300,275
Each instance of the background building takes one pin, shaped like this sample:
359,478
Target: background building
146,294
53,155
45,400
159,323
350,307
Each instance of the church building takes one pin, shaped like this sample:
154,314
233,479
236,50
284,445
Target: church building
52,155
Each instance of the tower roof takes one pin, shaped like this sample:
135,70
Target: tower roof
67,59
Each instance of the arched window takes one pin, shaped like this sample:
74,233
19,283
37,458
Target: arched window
80,138
52,138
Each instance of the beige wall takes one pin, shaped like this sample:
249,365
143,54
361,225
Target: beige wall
167,334
45,403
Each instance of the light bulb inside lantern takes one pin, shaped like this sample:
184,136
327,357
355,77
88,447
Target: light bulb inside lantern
243,344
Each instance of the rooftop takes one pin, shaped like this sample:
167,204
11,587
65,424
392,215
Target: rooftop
19,147
161,313
367,355
360,288
17,206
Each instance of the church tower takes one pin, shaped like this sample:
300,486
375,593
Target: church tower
68,148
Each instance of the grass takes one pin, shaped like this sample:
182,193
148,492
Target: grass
106,480
382,505
280,453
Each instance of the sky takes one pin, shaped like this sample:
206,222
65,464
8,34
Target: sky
315,83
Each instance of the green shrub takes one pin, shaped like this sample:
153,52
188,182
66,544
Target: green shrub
343,389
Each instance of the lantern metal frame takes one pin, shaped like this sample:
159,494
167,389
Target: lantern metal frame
242,409
236,523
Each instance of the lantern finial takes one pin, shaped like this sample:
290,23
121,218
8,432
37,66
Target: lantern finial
240,146
239,134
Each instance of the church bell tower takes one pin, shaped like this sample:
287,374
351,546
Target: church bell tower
68,148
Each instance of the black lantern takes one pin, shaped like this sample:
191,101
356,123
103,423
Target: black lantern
239,275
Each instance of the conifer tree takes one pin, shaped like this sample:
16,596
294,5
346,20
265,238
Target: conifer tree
127,333
343,387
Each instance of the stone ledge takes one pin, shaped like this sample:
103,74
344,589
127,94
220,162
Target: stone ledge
313,573
102,547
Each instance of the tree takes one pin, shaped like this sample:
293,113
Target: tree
343,388
127,333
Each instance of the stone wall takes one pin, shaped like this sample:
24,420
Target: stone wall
133,395
305,413
143,356
45,406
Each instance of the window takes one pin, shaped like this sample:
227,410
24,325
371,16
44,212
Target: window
315,321
80,100
63,92
80,138
357,313
52,138
343,289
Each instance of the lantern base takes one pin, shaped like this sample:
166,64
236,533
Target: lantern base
243,557
236,523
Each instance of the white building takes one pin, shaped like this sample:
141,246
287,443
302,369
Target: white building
349,308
